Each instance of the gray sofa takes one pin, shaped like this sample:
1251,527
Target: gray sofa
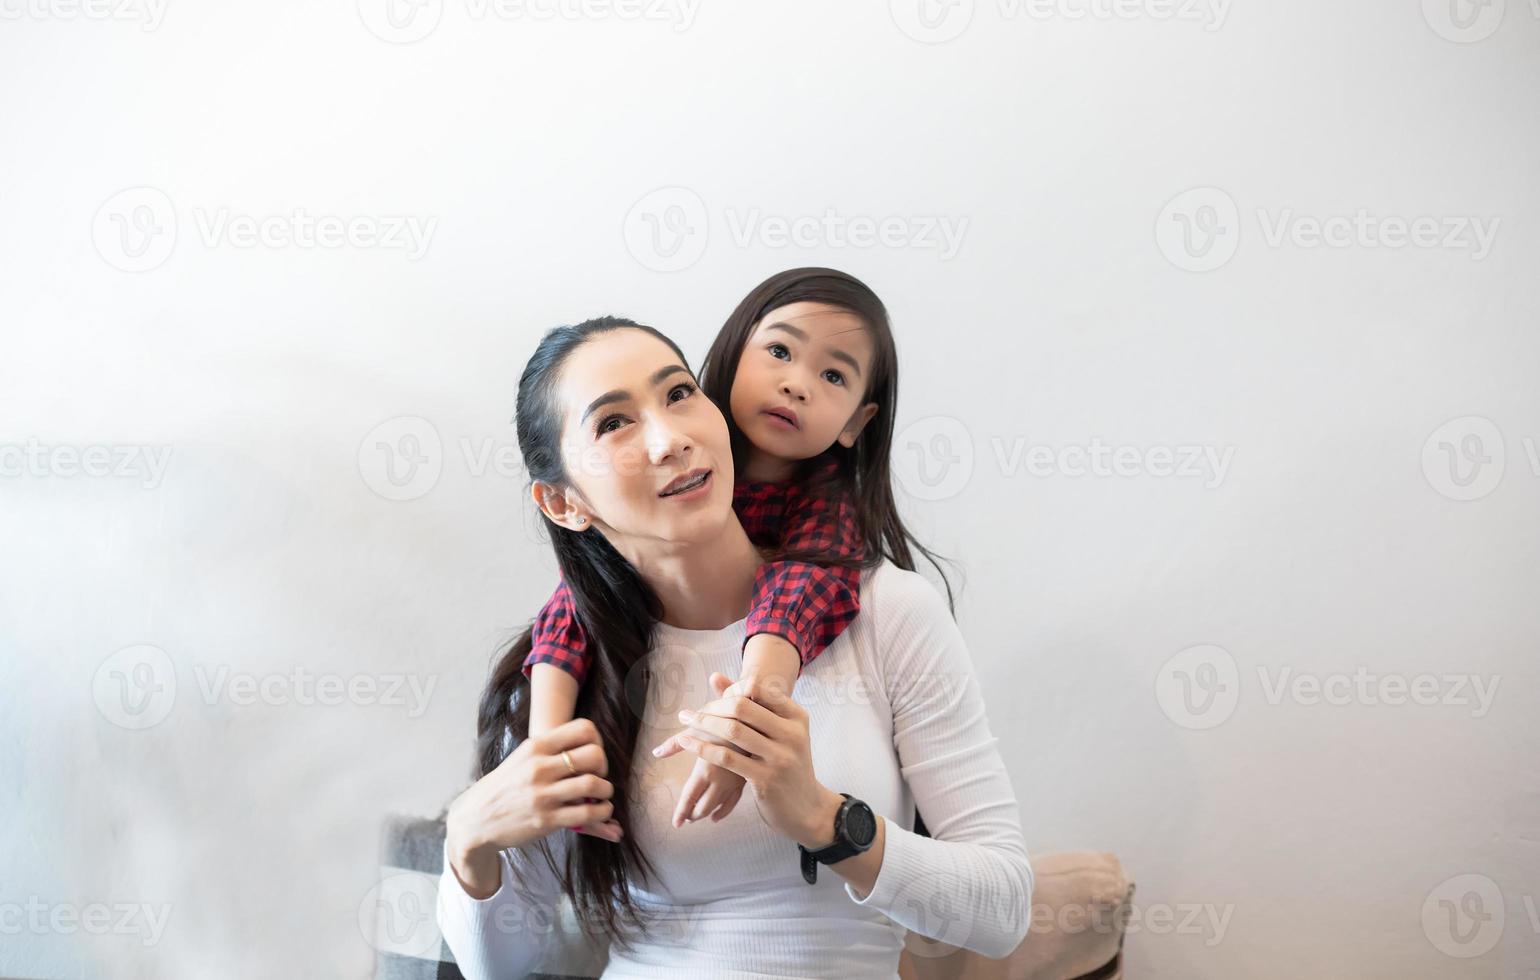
1079,906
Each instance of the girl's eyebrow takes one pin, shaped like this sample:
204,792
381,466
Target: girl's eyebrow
801,335
618,395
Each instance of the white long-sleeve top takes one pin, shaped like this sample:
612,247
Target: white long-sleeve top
896,718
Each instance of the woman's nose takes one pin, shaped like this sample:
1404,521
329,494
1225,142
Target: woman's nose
664,440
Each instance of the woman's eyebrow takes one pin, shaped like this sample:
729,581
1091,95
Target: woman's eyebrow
619,395
801,335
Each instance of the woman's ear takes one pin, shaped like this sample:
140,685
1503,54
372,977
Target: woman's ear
559,506
852,430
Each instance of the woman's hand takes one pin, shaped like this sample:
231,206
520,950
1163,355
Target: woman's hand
769,747
529,795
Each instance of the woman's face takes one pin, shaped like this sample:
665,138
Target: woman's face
636,426
801,380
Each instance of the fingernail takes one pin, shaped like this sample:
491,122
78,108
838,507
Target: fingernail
686,714
657,750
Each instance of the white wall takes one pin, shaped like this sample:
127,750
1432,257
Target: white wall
1283,837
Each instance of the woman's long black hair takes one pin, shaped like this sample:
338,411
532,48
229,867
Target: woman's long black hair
617,610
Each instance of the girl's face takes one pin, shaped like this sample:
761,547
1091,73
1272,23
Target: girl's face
634,424
802,379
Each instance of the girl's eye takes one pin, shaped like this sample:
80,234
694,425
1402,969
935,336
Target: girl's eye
837,378
775,347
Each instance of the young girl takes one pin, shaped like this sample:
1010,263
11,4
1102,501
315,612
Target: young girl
807,370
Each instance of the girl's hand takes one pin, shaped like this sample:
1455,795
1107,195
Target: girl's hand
769,747
710,791
530,794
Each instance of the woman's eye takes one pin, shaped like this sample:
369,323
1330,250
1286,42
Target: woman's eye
775,347
604,424
683,386
834,376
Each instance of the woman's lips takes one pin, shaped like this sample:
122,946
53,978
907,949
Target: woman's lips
697,492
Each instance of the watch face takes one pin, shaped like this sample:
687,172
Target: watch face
860,824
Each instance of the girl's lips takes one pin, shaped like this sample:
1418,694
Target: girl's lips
779,420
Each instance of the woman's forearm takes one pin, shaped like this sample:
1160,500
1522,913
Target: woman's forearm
475,865
862,869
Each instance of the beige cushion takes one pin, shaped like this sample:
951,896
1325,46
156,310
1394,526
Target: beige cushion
1078,914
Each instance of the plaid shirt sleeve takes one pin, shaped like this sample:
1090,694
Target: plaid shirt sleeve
557,636
805,604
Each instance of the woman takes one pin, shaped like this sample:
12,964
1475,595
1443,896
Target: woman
610,420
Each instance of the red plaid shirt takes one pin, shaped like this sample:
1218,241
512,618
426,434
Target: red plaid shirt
808,605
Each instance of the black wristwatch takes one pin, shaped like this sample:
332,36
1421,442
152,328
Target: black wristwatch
855,828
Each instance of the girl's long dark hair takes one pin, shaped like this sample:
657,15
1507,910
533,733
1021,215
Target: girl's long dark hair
617,610
863,470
